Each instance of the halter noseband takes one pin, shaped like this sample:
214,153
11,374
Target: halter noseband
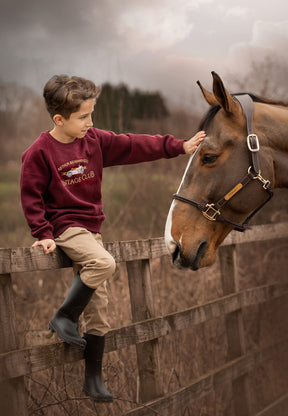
212,211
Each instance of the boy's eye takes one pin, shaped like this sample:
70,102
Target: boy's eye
209,158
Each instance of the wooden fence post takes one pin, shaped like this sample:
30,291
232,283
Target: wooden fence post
12,392
234,329
142,307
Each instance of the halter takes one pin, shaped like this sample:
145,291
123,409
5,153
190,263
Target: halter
212,211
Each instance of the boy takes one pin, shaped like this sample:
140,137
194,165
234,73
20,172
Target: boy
61,199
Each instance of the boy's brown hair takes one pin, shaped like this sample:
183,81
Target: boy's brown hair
63,94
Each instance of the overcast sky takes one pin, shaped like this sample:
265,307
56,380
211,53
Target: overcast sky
161,45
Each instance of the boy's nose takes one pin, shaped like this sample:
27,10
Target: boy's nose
90,122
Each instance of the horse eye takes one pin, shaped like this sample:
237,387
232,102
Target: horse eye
209,159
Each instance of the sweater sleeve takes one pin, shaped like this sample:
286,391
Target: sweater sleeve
124,149
35,176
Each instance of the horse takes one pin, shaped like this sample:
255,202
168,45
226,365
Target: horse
231,175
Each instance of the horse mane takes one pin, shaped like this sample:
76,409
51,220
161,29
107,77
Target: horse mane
207,119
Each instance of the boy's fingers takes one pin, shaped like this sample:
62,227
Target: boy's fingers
37,243
200,135
48,245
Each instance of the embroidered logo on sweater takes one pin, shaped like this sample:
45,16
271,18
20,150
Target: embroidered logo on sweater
75,171
75,174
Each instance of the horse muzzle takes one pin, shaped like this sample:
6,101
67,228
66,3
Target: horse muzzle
191,260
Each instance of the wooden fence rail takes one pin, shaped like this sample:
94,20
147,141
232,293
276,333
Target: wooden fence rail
146,328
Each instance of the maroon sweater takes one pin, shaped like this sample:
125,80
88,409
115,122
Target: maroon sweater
61,182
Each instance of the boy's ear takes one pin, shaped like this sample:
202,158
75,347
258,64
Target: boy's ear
58,119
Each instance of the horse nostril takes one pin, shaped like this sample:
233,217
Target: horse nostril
202,248
176,253
189,261
178,259
200,252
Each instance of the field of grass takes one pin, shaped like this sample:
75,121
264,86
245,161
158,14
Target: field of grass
13,229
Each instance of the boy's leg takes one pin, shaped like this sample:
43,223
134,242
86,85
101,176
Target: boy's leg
65,320
95,265
96,312
89,256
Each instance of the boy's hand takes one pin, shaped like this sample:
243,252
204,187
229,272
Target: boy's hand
48,245
191,145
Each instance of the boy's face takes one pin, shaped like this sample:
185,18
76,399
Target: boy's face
78,123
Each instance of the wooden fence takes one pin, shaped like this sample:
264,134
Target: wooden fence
146,328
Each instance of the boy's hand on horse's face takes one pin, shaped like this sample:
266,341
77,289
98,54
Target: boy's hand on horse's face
48,245
191,145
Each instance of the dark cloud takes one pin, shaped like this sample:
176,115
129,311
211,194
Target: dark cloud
159,44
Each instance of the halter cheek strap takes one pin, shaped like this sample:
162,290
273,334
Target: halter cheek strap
212,211
247,106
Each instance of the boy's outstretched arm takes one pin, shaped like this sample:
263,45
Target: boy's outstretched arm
191,145
48,245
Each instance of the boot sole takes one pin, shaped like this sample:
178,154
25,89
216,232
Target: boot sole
66,339
98,399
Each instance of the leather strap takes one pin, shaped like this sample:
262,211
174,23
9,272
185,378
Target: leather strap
247,105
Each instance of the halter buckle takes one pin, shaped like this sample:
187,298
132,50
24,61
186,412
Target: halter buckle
253,143
211,216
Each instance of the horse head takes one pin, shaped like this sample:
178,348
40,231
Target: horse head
223,185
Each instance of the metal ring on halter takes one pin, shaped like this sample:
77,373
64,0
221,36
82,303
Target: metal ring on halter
256,176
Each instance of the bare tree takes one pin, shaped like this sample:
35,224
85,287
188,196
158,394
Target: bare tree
267,77
22,117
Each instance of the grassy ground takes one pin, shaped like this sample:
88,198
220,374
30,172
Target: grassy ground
13,228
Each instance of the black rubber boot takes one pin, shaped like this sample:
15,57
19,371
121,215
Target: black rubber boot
93,384
65,320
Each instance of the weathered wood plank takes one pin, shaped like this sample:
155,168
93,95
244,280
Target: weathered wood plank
171,403
234,329
163,325
142,308
278,408
12,392
26,259
26,361
258,233
32,359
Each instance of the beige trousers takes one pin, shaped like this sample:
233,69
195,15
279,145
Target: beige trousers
95,265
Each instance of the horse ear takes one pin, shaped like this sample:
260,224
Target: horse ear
209,96
223,97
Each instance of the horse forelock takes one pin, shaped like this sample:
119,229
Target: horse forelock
209,116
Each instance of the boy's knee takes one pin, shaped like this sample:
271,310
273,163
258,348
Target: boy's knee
96,271
104,266
111,266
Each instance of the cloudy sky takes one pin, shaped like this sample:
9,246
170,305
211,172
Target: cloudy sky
161,45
